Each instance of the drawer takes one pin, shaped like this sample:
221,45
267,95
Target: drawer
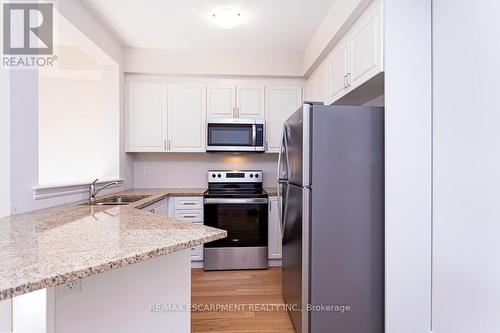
188,203
190,215
197,253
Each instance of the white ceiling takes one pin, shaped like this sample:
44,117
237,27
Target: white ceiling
270,25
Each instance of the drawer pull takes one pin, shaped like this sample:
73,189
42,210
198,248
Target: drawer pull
188,203
189,216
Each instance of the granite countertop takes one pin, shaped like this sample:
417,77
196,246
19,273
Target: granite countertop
56,245
271,191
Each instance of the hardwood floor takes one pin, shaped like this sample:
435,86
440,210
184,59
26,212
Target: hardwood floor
239,301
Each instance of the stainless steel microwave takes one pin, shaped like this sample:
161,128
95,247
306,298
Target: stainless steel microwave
235,135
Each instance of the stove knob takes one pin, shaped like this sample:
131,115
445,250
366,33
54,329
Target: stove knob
256,175
251,175
219,175
213,175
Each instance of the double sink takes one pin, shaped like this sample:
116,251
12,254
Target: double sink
121,200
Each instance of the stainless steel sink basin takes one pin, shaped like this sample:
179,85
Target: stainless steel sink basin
119,200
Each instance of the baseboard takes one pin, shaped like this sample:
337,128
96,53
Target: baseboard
271,263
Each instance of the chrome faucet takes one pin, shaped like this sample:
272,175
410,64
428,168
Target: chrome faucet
93,191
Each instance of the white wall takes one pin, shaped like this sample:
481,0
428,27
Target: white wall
5,142
24,109
5,306
190,170
72,108
408,165
466,228
154,61
121,300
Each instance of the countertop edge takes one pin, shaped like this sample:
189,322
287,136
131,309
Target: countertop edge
105,267
75,275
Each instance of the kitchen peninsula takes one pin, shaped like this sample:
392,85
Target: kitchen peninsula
91,257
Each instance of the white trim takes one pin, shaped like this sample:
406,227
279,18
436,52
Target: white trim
274,263
48,191
71,184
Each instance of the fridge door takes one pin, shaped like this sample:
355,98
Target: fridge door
292,254
347,219
294,132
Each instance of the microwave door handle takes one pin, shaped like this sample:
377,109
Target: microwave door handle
254,135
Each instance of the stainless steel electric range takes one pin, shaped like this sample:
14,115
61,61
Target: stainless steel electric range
235,201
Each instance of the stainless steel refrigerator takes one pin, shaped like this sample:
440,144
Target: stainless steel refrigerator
331,202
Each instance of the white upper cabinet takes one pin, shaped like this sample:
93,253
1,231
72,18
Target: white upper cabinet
365,49
250,101
147,117
235,101
281,103
355,59
171,115
221,101
186,117
338,65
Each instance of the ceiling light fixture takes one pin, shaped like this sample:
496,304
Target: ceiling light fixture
227,17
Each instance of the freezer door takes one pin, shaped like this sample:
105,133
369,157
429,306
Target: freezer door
292,254
294,132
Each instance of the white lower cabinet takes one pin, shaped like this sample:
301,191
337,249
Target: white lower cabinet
197,251
274,230
189,209
160,207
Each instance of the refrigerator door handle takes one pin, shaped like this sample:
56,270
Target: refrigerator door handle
283,156
283,216
280,179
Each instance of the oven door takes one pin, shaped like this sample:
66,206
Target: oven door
245,221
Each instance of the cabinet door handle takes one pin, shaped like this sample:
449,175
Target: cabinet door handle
153,211
349,79
169,144
345,81
164,144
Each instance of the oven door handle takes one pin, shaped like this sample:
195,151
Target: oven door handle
235,200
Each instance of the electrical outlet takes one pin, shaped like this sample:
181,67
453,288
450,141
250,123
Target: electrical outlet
69,288
147,171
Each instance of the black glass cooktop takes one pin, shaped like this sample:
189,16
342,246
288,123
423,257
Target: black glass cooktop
222,190
235,194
